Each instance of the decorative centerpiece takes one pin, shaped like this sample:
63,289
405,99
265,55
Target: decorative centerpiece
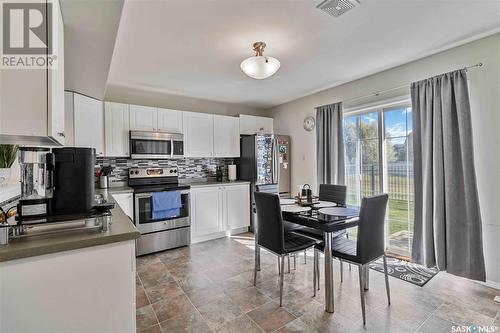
8,154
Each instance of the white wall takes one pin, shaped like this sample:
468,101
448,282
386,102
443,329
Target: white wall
130,95
485,104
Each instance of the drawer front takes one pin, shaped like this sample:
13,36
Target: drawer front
163,240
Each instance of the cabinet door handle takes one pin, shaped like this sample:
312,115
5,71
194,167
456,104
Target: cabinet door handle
61,134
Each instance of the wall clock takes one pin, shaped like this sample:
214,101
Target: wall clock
309,123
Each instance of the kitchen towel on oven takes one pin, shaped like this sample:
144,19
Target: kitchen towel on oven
166,204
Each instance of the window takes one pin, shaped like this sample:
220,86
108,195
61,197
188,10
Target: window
378,150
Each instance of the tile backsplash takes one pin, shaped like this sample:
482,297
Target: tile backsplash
188,168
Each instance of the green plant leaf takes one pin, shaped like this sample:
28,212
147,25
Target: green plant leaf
8,155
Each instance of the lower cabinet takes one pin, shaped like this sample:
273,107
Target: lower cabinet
85,290
219,210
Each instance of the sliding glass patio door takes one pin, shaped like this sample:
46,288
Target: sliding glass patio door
378,148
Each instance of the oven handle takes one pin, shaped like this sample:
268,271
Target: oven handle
150,194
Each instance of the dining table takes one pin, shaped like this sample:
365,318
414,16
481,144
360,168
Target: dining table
326,217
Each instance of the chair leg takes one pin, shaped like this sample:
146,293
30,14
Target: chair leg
317,270
288,257
305,256
281,279
387,281
314,271
341,272
255,272
367,276
347,236
362,291
279,267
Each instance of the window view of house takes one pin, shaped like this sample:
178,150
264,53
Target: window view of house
378,155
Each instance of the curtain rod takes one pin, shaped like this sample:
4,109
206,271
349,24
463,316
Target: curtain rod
479,64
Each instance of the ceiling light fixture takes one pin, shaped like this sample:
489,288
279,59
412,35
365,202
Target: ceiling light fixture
260,67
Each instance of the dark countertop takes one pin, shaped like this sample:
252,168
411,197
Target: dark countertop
122,229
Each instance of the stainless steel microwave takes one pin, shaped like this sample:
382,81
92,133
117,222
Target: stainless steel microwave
156,145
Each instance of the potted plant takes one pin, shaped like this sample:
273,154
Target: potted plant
8,154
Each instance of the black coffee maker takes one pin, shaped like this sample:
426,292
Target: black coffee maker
57,182
73,180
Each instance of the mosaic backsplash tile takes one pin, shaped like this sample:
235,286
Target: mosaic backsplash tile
188,168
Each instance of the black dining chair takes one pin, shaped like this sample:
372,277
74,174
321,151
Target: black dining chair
271,233
289,226
332,193
368,247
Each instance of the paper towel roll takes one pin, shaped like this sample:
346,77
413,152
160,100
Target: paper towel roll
231,171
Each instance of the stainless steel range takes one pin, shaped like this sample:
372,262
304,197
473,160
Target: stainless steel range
159,234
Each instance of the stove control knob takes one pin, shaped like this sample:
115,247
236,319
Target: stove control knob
137,172
171,171
131,172
175,170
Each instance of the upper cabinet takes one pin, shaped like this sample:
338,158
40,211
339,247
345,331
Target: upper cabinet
226,136
198,134
32,100
143,118
255,125
56,80
169,121
116,129
88,123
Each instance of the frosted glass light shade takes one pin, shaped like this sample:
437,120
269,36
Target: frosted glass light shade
260,67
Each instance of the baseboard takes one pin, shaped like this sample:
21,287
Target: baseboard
491,284
236,231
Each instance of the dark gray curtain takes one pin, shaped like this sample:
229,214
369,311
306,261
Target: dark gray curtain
330,144
447,229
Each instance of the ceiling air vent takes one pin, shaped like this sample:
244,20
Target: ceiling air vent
337,7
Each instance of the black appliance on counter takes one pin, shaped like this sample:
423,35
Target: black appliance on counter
57,182
73,180
165,233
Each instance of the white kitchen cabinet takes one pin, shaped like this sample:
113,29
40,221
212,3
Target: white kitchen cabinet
116,129
198,134
206,211
69,119
217,210
89,122
32,100
236,206
226,136
126,203
56,79
169,121
255,125
85,290
143,118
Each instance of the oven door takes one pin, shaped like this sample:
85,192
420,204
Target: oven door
143,208
155,145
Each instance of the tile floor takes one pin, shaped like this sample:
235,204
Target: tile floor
208,287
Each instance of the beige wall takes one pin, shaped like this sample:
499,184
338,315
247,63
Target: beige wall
151,98
485,104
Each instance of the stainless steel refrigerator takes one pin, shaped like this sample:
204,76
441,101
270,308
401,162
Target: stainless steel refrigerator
265,159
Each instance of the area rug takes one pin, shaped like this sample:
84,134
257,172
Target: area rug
406,271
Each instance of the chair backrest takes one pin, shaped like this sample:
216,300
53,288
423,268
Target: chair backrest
268,188
370,243
270,232
333,193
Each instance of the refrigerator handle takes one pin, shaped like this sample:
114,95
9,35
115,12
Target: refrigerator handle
276,162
